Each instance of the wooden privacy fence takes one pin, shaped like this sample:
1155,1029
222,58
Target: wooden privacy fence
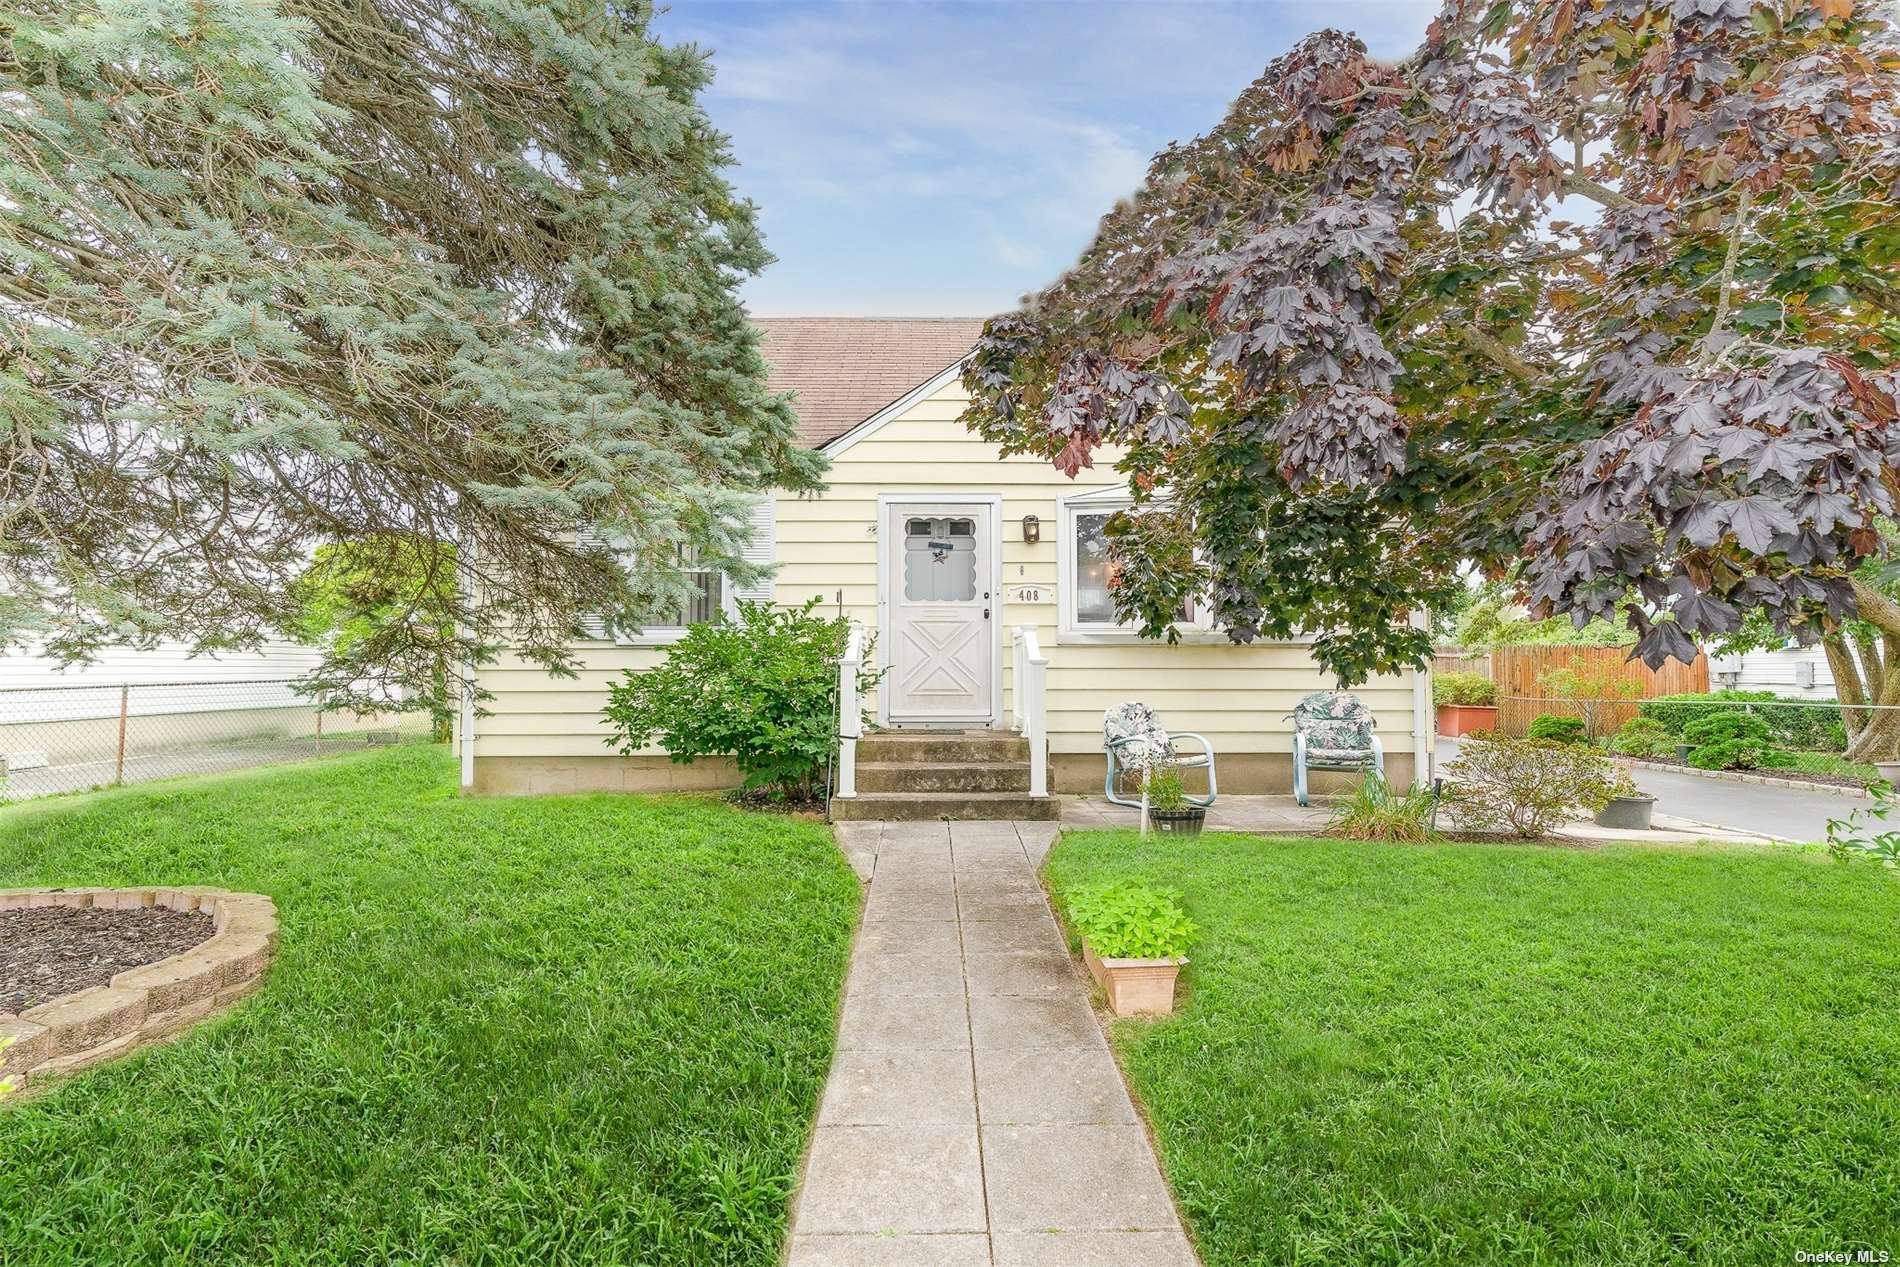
1522,695
1478,662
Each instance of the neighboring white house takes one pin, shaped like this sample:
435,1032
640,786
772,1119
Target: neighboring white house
52,713
944,548
1797,672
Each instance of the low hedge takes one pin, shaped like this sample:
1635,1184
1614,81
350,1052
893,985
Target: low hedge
1469,690
1794,724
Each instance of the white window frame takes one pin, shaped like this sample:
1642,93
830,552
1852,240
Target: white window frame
763,550
1071,630
667,635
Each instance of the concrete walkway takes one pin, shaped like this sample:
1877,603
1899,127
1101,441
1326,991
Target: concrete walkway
973,1115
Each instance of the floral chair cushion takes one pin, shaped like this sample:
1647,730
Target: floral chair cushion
1337,726
1135,736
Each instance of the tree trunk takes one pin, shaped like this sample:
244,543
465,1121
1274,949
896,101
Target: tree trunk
1877,738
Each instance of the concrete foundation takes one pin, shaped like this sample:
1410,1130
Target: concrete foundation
1075,773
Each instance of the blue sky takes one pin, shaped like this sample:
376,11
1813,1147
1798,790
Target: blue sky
926,159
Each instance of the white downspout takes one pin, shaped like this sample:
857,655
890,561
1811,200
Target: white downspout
465,724
1424,722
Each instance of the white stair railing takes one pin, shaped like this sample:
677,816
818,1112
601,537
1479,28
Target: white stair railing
850,711
1030,705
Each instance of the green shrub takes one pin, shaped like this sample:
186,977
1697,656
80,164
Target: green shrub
1375,812
1472,690
1527,786
1555,729
1807,725
1866,833
1644,738
1165,789
760,689
1733,741
1127,920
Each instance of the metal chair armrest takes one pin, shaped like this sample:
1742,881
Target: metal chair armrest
1204,761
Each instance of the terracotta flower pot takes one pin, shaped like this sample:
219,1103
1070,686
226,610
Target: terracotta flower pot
1461,719
1135,987
1458,720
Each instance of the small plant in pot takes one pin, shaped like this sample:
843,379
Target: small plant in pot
1627,807
1134,940
1169,810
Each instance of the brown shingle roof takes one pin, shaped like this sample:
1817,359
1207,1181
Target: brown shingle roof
845,369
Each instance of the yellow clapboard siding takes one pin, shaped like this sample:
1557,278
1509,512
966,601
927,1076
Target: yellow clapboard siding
1237,696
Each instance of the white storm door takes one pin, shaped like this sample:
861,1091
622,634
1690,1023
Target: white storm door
942,656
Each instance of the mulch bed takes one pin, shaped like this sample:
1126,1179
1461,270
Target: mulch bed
761,800
50,951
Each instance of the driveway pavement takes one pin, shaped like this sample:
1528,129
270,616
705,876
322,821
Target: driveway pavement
1792,814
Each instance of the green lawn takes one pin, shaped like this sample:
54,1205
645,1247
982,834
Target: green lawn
1511,1054
583,1029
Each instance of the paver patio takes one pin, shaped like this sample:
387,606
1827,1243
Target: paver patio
973,1113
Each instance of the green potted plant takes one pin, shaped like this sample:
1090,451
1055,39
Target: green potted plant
1465,702
1169,810
1134,940
1627,808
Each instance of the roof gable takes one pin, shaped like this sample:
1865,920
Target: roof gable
845,370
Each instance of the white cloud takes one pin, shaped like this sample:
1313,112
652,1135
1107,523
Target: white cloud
918,157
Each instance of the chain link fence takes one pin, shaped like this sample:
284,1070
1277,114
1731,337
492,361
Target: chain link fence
75,738
1817,741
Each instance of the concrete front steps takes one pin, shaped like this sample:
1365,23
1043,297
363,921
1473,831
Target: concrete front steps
943,774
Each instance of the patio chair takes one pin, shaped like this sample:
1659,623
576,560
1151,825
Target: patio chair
1332,730
1135,742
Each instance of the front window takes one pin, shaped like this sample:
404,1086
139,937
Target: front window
1093,603
1088,572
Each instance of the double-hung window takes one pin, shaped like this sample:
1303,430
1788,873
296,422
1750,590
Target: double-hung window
1083,588
709,591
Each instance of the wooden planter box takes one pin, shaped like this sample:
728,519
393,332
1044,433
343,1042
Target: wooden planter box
1461,719
1135,987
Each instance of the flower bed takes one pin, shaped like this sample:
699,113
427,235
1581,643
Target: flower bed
141,1004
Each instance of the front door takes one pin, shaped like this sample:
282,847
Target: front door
942,650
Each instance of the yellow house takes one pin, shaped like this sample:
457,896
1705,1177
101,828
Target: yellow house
965,564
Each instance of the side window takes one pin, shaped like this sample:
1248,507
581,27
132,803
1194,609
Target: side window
709,592
705,599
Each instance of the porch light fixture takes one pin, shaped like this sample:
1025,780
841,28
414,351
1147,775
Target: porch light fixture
1032,530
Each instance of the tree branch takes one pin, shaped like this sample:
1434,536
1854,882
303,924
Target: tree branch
1716,327
1494,350
1578,183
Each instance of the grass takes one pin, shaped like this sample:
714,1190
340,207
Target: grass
1516,1054
549,1030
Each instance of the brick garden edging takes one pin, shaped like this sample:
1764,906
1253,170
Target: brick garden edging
147,1003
